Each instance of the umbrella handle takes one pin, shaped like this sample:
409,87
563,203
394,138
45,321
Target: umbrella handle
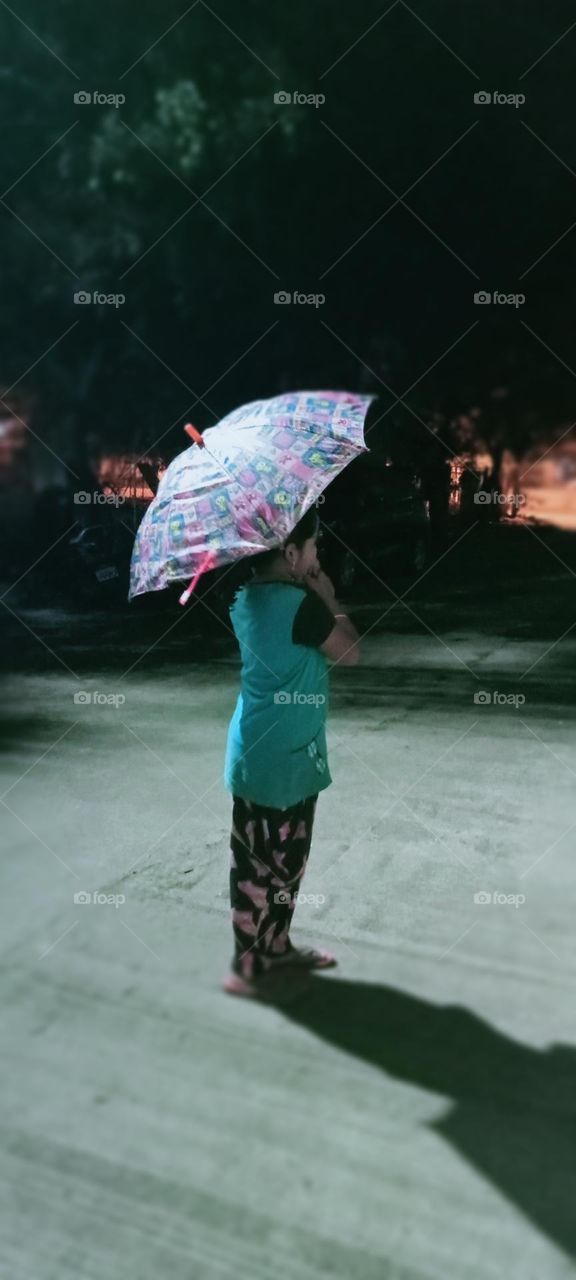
205,564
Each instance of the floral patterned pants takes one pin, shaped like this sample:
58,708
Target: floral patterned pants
270,849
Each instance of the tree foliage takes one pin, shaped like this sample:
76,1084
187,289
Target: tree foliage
199,197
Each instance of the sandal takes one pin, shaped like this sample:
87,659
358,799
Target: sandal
305,958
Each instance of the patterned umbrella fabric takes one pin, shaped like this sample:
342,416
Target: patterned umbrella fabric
262,467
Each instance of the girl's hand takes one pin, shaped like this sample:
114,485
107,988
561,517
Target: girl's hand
322,585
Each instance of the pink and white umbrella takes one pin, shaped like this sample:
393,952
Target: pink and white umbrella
242,487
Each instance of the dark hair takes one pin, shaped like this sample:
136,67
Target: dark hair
306,528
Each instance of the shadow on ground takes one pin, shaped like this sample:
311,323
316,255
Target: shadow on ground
513,1116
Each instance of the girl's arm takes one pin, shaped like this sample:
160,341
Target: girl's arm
343,644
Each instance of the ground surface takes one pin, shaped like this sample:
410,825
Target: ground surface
409,1116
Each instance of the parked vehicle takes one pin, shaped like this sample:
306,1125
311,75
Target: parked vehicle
102,555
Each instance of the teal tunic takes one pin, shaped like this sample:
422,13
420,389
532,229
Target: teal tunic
276,748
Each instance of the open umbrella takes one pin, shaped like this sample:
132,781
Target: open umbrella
245,484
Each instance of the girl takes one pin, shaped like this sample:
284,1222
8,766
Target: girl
288,623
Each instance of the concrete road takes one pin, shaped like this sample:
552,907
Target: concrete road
409,1116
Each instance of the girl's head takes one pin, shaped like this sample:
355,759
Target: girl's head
298,553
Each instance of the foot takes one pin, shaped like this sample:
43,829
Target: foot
279,986
304,958
237,986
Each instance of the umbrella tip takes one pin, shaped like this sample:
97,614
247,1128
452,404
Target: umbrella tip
195,436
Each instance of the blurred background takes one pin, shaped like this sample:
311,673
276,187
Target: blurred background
201,205
405,181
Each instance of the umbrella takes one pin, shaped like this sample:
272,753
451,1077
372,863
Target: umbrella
245,484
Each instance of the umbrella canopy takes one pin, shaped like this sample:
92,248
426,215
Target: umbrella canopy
262,467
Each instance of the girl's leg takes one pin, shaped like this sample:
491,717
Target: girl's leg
250,877
297,844
270,849
291,835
